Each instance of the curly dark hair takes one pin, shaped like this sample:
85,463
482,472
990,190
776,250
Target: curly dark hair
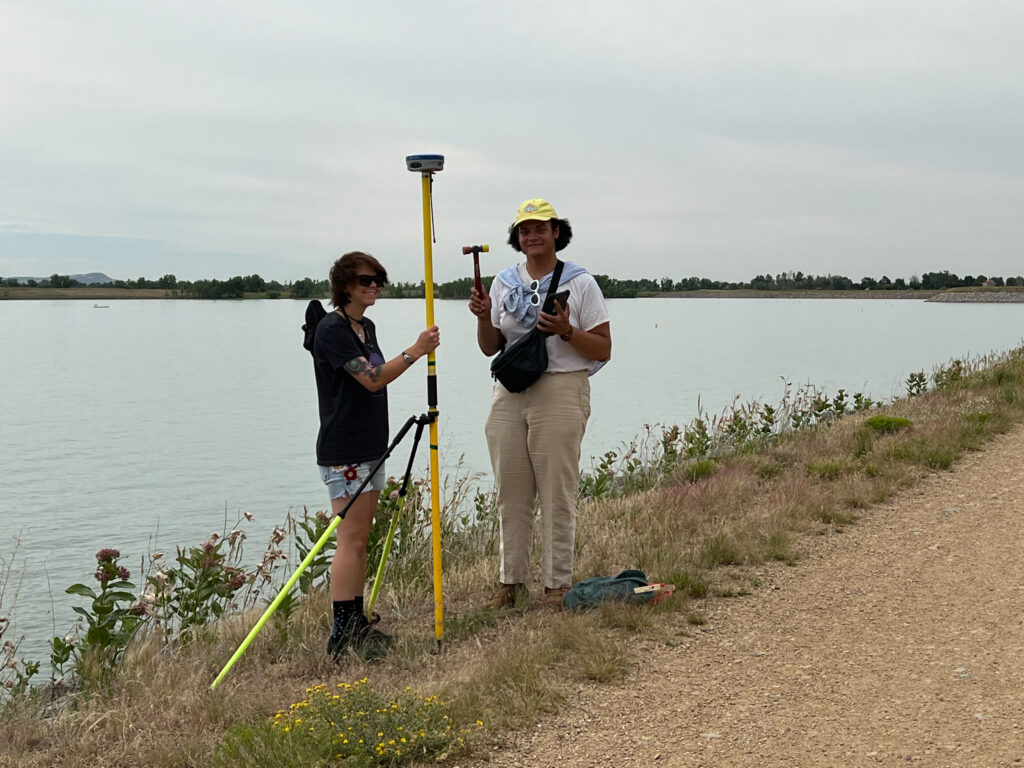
564,234
343,272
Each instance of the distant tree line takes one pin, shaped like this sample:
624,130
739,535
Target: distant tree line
233,288
239,287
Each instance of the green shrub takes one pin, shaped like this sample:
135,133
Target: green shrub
701,468
863,441
319,568
917,384
827,469
720,549
946,376
778,546
188,596
861,402
886,424
981,421
769,470
924,453
831,516
110,621
356,725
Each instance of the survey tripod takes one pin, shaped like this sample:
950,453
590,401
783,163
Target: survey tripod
426,166
420,422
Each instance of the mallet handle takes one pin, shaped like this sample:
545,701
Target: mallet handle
475,250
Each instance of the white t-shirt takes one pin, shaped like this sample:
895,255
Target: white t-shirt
587,310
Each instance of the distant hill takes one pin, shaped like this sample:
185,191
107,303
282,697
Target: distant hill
92,278
89,278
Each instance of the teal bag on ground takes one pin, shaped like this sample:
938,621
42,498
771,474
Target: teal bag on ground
590,593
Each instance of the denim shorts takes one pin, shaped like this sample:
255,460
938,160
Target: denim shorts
344,480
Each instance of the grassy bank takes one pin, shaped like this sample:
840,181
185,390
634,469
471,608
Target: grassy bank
708,507
85,293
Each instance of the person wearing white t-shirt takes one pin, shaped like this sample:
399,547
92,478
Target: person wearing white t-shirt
534,436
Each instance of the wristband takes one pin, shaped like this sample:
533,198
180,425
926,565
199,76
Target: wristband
567,335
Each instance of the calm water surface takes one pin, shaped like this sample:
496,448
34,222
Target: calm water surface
150,424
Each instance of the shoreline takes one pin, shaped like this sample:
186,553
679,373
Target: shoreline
1002,295
753,293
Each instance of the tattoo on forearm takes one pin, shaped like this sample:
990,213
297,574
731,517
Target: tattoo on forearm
360,367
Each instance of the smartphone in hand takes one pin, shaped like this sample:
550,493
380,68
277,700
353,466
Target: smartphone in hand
562,297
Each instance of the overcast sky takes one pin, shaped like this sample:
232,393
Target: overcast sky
718,139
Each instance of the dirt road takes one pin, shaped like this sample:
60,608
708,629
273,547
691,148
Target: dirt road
897,642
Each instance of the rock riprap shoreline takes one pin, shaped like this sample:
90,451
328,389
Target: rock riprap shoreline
979,297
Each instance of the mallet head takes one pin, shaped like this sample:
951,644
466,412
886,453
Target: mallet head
475,250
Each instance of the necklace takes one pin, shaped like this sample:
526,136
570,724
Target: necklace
357,326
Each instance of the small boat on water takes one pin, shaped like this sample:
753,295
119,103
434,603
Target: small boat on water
101,306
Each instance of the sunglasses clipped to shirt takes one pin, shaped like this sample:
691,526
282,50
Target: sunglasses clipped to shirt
367,280
535,295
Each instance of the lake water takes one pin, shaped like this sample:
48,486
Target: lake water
150,424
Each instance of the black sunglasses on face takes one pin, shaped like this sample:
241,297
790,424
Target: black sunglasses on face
367,280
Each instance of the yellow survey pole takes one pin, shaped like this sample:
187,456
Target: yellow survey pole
426,165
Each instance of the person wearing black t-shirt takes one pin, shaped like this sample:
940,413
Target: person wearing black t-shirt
351,376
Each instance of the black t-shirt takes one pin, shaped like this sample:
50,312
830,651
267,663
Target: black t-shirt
353,420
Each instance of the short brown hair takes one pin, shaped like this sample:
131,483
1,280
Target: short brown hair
564,234
344,272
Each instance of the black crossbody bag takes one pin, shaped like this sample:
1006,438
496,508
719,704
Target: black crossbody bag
520,364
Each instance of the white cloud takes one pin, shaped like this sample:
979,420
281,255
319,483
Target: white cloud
708,138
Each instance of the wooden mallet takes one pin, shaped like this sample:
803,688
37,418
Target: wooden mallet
475,250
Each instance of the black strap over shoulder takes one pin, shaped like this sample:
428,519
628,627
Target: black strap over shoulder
556,276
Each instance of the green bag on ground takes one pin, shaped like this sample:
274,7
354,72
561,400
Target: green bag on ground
590,593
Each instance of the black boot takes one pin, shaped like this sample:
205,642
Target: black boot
344,624
353,631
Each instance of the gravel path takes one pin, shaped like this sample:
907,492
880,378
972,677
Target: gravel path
900,641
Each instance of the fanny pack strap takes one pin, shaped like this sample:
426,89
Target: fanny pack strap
552,288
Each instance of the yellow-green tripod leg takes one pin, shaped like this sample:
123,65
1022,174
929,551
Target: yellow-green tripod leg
277,600
378,579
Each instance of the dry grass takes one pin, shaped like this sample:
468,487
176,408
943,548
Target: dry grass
711,536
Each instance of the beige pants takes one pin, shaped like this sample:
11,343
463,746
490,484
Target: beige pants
534,440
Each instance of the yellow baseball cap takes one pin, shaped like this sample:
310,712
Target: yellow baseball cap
535,209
